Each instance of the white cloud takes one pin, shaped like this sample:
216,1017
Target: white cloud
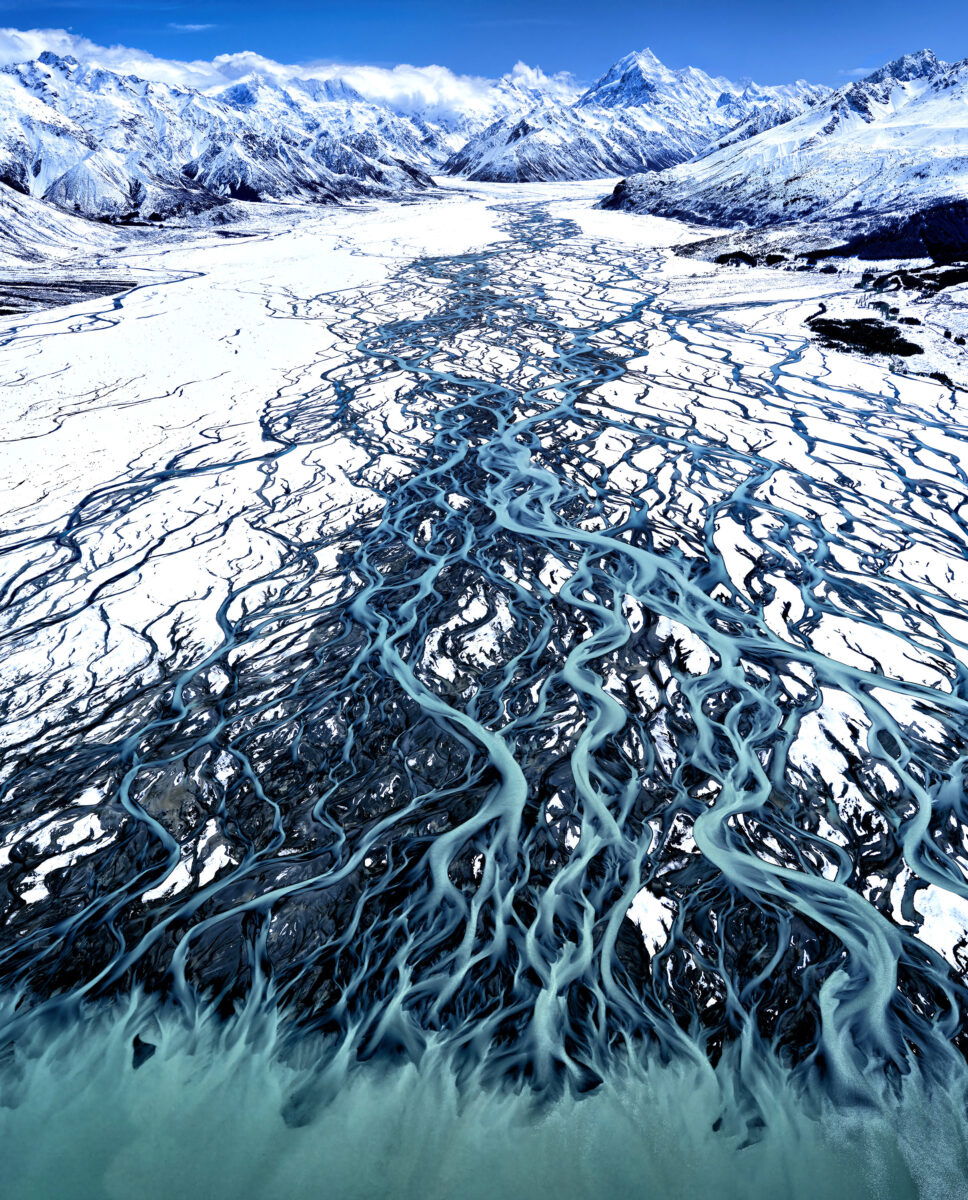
18,45
562,86
434,90
190,28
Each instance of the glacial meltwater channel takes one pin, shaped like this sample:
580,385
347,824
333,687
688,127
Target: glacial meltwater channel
566,798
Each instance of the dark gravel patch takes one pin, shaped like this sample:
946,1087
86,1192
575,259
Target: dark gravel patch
867,335
29,294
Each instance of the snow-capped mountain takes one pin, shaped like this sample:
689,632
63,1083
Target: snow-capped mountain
894,142
521,90
639,115
117,147
32,232
333,108
687,95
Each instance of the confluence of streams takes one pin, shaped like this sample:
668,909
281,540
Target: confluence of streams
604,694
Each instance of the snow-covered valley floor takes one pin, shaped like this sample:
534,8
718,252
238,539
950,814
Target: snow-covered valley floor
428,614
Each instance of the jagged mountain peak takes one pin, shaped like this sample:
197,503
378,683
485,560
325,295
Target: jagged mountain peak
923,64
645,62
256,81
48,71
632,80
328,90
247,91
63,62
893,84
639,115
255,89
894,142
529,87
641,79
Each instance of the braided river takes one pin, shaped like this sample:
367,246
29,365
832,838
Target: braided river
514,745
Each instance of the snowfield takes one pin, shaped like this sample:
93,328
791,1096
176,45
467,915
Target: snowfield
168,393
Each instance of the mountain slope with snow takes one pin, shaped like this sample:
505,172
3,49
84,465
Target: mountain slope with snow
32,232
894,143
638,115
522,90
119,147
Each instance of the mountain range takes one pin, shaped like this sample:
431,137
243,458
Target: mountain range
122,148
887,151
891,147
118,147
639,116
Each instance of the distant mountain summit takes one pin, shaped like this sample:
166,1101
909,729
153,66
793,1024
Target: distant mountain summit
893,143
117,147
923,64
121,148
640,115
634,80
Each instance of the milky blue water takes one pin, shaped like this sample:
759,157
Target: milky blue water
580,794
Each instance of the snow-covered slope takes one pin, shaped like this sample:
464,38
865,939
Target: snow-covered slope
118,147
32,232
893,143
640,114
333,108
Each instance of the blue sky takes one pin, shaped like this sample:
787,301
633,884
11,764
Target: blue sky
821,40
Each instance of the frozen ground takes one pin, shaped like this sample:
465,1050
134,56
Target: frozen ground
225,325
186,363
413,605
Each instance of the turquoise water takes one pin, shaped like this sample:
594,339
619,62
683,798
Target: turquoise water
203,1117
467,742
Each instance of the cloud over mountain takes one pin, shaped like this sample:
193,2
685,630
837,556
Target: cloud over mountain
434,91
